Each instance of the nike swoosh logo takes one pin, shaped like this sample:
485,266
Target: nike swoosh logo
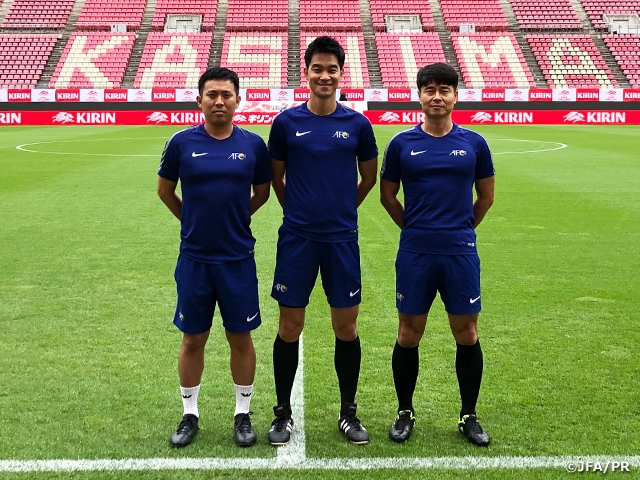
251,318
417,153
245,394
299,134
351,294
194,154
474,300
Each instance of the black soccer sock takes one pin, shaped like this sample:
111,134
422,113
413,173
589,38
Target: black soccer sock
285,364
347,359
405,363
469,366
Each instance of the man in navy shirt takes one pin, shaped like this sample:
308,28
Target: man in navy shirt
218,165
321,146
438,164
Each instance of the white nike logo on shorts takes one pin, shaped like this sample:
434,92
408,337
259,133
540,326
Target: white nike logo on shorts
194,154
299,134
352,294
474,300
251,318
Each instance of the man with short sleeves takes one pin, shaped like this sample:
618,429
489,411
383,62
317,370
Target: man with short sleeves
218,165
438,164
321,146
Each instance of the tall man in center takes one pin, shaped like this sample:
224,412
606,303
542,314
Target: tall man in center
320,146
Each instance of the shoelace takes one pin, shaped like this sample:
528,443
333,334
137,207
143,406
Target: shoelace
245,424
404,419
472,425
353,422
280,423
184,425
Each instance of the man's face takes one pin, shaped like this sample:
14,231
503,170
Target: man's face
437,100
218,102
323,75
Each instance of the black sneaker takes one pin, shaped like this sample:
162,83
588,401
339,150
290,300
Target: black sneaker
470,428
281,427
186,431
350,425
245,434
401,428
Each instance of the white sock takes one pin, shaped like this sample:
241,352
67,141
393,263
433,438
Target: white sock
243,398
190,400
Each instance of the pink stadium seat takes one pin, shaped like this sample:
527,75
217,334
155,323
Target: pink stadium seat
625,50
99,15
23,57
571,61
486,15
381,8
173,60
401,55
491,60
596,8
356,71
25,14
93,60
551,15
334,15
271,17
259,58
206,8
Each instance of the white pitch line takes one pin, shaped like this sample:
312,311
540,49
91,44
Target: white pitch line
295,452
396,463
559,147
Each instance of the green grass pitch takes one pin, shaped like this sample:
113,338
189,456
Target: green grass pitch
88,351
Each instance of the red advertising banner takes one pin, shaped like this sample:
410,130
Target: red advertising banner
631,95
493,95
126,117
258,94
300,94
587,95
68,95
540,95
518,117
115,95
163,95
399,94
19,95
353,94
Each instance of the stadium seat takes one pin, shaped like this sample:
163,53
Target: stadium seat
93,60
333,15
206,8
271,17
381,8
401,55
486,16
99,15
23,58
259,58
625,50
549,15
37,14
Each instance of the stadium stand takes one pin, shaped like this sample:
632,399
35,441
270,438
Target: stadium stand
259,58
486,15
381,8
550,15
271,17
23,58
330,15
356,72
491,60
207,8
402,54
596,8
571,61
37,14
101,14
625,50
93,60
173,60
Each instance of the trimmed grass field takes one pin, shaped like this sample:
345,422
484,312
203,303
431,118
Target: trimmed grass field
88,351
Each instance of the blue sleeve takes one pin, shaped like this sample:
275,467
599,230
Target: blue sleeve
367,148
484,160
262,173
170,163
391,162
277,140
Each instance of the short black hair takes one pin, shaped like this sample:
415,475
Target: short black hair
324,45
219,73
438,73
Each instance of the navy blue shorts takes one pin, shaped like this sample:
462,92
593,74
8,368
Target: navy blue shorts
419,276
298,261
232,285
